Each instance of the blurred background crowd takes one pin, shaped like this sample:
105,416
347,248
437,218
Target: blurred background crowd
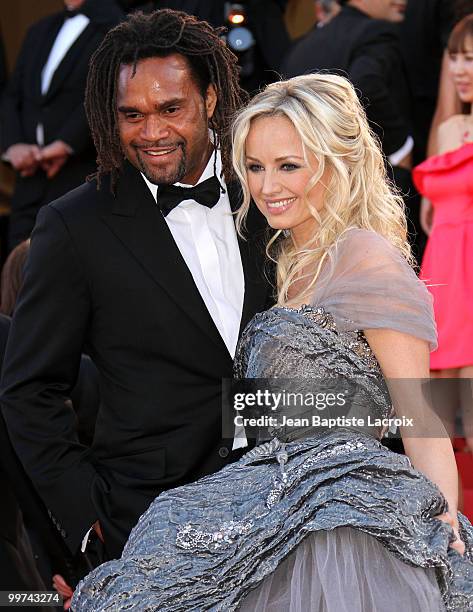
414,77
396,66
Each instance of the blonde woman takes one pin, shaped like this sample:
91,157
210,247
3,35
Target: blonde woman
322,519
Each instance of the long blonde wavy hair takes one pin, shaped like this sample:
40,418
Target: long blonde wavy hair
326,112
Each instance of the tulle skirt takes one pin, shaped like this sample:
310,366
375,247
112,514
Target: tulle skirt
349,526
345,570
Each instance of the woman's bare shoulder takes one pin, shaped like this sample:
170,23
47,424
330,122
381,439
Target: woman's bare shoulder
449,133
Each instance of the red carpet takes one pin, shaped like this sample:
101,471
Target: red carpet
465,469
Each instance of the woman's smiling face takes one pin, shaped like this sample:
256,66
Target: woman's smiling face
278,175
461,69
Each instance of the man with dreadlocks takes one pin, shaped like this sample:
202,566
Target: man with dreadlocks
143,268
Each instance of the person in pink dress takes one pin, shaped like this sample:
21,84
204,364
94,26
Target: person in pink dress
446,182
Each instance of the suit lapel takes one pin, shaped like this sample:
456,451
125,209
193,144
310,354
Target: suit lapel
50,35
253,257
138,223
69,60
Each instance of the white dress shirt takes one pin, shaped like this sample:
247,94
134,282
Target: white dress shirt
207,240
70,31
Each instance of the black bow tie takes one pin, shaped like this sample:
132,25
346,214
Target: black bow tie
206,193
70,14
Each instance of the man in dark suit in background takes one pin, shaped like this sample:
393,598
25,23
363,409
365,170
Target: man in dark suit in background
424,36
148,276
44,132
362,43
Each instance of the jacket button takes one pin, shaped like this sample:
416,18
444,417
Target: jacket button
223,451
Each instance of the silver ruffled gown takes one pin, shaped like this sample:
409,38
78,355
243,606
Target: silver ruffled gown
322,522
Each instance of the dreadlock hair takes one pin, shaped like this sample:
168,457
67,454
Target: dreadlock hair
160,34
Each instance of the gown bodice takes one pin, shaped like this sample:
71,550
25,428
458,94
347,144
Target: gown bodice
304,348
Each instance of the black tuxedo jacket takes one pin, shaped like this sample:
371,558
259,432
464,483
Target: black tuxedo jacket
424,36
366,51
61,109
105,275
17,565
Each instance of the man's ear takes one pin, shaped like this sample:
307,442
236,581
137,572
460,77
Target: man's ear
210,100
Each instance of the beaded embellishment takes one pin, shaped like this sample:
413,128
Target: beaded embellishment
192,539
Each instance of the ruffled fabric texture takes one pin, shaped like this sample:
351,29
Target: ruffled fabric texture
442,163
205,546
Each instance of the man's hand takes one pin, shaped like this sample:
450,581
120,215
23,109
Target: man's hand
63,589
61,585
98,530
406,161
53,157
23,157
458,543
